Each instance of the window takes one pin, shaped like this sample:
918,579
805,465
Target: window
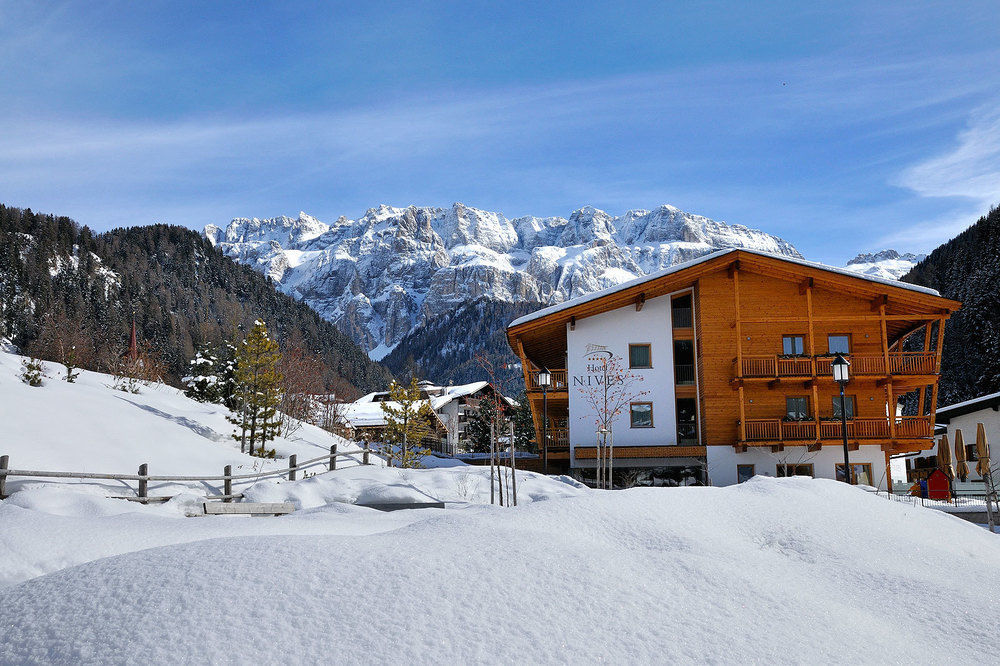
793,345
680,311
744,473
641,414
640,356
971,455
687,421
861,473
849,402
839,344
795,470
796,408
684,362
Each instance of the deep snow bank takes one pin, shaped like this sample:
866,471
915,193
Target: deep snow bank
783,570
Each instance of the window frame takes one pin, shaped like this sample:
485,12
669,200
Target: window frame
649,353
679,423
850,343
800,336
851,402
631,421
808,410
837,474
753,472
779,466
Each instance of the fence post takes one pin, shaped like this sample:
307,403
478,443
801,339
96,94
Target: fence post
227,483
364,457
291,467
333,457
143,483
4,460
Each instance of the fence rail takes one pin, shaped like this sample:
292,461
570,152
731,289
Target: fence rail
227,477
779,430
558,380
900,363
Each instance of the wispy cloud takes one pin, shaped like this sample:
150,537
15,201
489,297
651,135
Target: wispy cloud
969,169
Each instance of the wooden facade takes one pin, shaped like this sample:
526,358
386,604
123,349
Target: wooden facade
744,305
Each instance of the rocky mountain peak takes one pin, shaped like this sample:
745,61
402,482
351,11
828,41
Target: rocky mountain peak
383,276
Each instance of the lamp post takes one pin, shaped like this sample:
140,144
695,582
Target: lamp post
545,380
841,375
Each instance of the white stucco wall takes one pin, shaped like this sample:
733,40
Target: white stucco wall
722,461
967,424
616,329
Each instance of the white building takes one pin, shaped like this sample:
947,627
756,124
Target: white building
453,406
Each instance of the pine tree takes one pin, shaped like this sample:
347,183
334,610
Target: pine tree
407,417
32,371
478,431
524,426
202,383
259,392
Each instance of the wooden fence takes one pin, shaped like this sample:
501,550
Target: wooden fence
227,477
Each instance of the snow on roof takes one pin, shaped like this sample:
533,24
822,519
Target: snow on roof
676,268
960,408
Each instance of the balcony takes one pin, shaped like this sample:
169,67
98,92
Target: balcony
776,366
779,430
558,380
558,437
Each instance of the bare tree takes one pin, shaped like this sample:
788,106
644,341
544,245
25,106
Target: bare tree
612,392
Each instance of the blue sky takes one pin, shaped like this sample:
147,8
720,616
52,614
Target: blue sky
843,128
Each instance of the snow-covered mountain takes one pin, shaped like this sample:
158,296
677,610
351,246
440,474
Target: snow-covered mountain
380,277
887,264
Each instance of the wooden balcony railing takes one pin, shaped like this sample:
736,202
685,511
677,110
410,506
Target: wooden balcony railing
557,437
900,363
558,381
779,430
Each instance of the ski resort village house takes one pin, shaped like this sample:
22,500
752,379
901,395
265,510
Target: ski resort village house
727,365
453,406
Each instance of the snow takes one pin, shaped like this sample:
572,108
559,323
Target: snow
394,269
774,570
89,427
544,312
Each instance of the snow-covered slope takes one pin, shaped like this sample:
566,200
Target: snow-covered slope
88,426
887,264
381,276
771,571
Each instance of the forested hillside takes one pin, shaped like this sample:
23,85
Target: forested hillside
447,345
61,283
967,268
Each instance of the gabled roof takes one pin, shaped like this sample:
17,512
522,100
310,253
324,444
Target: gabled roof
677,268
990,401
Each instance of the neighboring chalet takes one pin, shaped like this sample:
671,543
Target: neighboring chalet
964,416
453,407
734,350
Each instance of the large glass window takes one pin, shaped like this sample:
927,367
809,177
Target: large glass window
796,408
640,356
641,414
680,311
744,473
793,345
684,362
838,344
849,404
861,473
687,421
795,470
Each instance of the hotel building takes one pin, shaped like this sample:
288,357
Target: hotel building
728,357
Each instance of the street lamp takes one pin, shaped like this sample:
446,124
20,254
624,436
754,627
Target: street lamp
841,375
545,380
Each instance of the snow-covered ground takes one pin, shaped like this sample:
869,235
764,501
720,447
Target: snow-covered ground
774,570
777,570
